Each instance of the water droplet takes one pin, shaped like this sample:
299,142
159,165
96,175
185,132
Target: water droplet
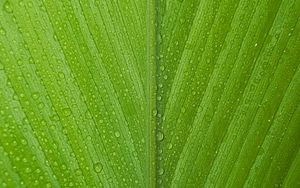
61,75
41,105
161,171
27,170
2,31
183,110
78,172
160,136
35,95
98,167
154,112
117,134
20,62
23,141
30,4
52,126
54,117
67,112
7,7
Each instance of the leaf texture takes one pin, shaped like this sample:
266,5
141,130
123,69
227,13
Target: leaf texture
154,93
229,77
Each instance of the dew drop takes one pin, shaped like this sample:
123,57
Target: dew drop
160,136
19,62
154,112
183,110
23,141
41,105
28,170
2,31
117,134
35,95
161,171
61,75
54,117
7,7
48,185
67,112
98,167
78,172
64,167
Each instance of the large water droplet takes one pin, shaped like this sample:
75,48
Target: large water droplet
161,171
154,112
160,136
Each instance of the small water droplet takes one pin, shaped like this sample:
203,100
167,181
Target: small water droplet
98,167
35,95
23,141
161,171
28,170
117,134
160,136
183,110
78,172
61,75
154,112
20,62
41,105
54,117
67,112
7,7
2,31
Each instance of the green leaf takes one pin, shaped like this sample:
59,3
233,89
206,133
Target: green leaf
156,93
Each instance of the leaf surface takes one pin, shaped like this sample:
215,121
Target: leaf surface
156,93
